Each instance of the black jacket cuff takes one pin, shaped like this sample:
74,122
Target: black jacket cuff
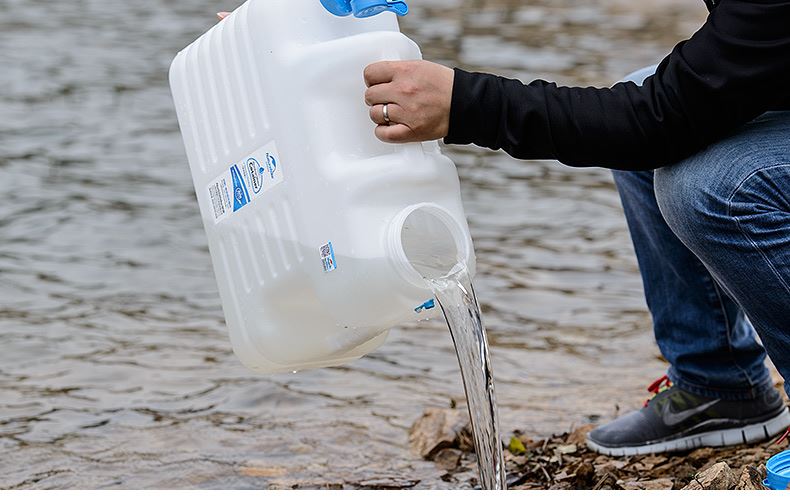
473,112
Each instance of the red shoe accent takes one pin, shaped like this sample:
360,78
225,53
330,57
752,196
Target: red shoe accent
655,387
658,386
784,437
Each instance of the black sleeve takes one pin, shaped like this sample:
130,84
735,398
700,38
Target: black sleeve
736,67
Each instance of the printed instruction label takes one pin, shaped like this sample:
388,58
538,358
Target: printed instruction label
245,181
328,260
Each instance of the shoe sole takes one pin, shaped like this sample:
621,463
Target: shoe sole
719,438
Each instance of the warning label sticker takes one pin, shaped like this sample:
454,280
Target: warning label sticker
245,181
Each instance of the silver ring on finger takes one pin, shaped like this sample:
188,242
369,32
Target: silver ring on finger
386,111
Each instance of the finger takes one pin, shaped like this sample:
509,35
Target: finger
394,111
380,94
379,72
222,15
394,133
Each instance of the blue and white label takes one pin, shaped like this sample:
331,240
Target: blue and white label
328,261
255,172
241,196
245,181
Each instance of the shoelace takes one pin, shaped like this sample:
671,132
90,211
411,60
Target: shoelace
660,385
784,437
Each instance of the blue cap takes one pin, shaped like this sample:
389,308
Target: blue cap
778,471
365,8
426,306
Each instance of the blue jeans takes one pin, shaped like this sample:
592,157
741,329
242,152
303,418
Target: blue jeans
712,237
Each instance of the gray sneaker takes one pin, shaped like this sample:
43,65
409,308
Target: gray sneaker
677,420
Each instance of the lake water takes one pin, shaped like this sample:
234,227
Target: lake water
115,370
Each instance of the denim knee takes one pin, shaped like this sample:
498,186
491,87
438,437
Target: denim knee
700,201
692,205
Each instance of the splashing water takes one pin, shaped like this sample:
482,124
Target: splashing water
458,301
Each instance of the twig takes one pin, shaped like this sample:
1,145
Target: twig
603,481
548,478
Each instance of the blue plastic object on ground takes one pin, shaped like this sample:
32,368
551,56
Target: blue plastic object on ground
778,471
365,8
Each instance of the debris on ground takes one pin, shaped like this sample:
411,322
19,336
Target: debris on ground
720,476
439,429
564,461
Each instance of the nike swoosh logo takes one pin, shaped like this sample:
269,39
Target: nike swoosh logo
672,418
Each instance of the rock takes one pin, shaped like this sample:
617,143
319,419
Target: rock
718,477
437,429
751,479
658,484
448,459
579,435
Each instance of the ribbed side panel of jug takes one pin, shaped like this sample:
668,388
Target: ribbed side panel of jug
239,177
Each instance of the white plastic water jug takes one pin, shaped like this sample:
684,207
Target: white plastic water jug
320,234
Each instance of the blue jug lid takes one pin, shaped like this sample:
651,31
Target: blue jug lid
369,8
365,8
340,8
778,471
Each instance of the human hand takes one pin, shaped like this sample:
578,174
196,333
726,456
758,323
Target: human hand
418,95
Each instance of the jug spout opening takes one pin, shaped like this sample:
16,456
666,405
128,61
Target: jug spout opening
426,242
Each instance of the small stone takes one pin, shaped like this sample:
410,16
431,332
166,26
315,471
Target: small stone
751,479
437,429
718,477
448,459
657,484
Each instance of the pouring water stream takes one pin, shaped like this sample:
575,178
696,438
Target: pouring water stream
458,301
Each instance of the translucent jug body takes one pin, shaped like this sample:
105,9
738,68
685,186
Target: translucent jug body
317,230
